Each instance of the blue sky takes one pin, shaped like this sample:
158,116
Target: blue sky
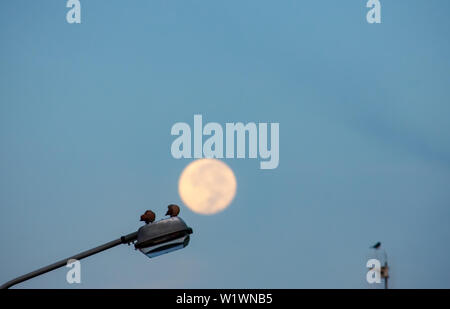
85,118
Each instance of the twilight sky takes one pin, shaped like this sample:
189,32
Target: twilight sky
85,118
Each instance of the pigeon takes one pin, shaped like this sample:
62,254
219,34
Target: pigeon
173,210
376,246
148,216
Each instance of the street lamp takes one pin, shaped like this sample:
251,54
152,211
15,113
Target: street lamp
152,239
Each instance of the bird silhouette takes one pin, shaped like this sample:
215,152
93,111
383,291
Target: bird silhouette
376,246
148,216
173,210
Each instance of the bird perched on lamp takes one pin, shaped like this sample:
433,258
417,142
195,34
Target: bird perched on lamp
376,246
173,210
148,216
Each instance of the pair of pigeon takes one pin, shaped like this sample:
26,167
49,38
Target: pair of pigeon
149,216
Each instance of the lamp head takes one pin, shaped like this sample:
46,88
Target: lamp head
163,236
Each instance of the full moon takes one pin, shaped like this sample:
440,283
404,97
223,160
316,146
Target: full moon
207,186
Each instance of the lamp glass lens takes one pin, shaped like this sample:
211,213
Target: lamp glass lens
166,247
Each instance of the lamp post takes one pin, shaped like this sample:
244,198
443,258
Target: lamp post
152,239
385,274
384,270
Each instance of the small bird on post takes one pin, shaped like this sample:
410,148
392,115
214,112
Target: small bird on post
148,216
376,246
173,210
